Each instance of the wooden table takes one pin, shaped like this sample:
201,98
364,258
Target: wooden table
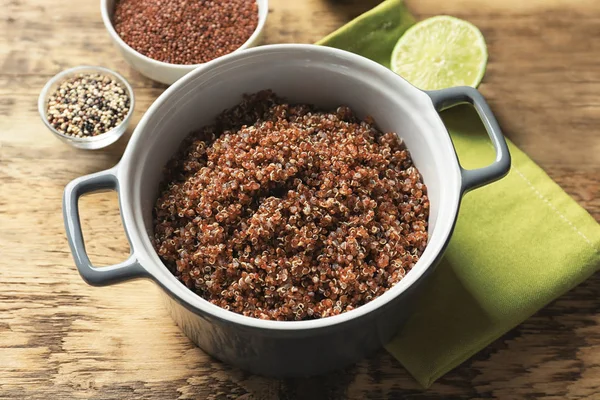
61,339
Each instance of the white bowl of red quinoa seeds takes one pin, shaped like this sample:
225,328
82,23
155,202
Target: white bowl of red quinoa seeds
87,107
290,212
166,39
290,234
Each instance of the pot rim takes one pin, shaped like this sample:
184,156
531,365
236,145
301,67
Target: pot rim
178,291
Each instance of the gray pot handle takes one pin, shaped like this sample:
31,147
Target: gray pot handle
129,269
474,178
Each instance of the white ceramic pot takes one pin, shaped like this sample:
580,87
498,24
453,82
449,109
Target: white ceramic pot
161,71
300,73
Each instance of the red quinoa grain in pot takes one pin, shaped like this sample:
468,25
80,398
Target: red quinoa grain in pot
286,212
184,31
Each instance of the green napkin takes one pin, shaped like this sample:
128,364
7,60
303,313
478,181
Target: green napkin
519,243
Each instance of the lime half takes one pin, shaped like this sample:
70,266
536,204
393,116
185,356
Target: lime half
441,52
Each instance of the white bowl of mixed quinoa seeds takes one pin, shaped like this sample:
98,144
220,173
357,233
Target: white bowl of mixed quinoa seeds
165,48
87,107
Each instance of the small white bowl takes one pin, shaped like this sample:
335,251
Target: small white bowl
161,71
91,142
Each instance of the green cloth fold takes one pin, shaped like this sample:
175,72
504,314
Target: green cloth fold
519,243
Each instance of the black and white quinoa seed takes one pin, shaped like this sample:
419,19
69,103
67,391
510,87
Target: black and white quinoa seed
87,105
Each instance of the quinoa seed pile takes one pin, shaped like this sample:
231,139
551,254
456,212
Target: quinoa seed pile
87,105
184,31
287,212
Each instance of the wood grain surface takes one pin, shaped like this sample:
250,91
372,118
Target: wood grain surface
62,339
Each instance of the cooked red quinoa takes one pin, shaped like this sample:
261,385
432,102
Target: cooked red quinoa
287,212
185,32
